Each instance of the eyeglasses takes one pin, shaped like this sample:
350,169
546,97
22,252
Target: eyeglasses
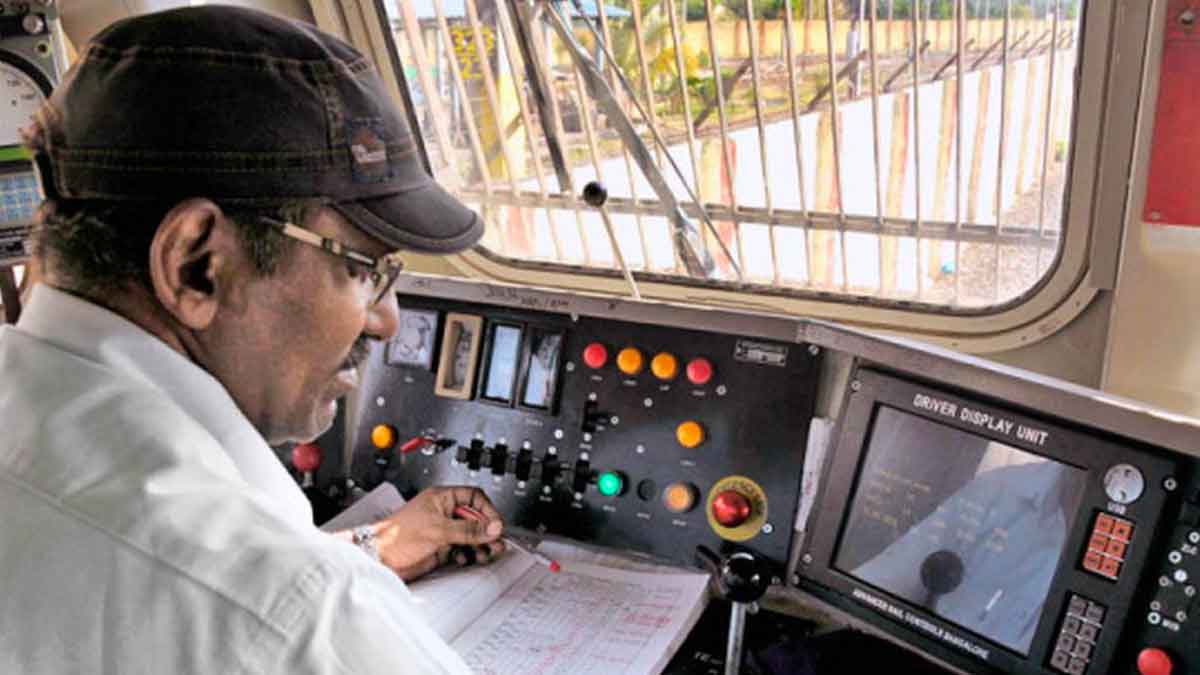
383,271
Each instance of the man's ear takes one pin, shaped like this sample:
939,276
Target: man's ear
191,258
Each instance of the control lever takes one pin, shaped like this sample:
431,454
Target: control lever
742,578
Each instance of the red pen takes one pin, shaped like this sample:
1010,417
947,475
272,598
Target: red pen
468,513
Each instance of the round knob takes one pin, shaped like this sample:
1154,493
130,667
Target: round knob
383,436
699,370
731,508
610,483
689,434
306,457
630,361
595,194
595,355
1154,661
679,497
743,578
664,366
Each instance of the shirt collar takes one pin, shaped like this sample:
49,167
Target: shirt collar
97,334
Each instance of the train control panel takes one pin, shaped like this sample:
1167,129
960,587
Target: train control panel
988,519
642,437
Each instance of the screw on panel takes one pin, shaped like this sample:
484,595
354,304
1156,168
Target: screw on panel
379,401
768,528
614,420
806,559
570,366
558,433
814,350
855,385
583,457
1188,17
1169,484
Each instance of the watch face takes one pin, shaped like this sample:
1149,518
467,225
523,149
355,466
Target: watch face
413,343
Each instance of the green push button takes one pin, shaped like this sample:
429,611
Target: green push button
610,483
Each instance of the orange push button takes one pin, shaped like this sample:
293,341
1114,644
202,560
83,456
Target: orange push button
383,436
595,355
630,361
664,366
679,497
689,434
1104,523
1122,529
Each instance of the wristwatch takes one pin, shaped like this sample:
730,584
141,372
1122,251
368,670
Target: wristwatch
364,538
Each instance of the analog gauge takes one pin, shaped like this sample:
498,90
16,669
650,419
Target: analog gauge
20,97
1124,483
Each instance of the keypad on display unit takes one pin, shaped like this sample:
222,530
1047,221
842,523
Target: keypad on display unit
1108,546
1077,636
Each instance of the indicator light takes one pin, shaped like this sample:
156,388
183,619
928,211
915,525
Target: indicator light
383,436
306,457
699,370
610,483
630,361
679,497
689,434
595,355
664,366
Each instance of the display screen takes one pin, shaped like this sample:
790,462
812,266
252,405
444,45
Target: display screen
502,362
412,345
966,527
543,369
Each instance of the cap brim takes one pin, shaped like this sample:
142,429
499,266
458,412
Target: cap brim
424,218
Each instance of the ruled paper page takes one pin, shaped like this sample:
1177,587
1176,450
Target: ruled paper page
584,620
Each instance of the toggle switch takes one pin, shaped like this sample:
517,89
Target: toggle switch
498,459
583,476
524,463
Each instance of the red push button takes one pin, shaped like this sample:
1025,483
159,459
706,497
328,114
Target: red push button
1104,523
1154,661
306,457
595,355
1122,529
731,508
699,370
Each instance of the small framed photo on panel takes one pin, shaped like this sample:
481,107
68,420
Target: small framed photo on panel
459,359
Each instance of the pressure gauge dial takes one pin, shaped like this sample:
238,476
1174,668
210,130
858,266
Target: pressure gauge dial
1124,483
20,97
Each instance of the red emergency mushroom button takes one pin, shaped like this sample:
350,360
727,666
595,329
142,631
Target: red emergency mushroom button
730,508
595,355
1154,661
306,457
699,371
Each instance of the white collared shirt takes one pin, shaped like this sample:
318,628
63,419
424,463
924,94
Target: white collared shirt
145,527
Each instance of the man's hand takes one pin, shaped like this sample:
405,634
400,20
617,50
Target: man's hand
422,535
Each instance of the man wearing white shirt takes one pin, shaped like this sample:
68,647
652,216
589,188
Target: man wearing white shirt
226,191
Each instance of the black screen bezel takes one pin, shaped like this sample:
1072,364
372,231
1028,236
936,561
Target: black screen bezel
1090,451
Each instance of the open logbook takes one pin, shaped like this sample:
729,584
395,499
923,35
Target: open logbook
516,616
601,614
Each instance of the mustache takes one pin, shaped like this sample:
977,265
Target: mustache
358,352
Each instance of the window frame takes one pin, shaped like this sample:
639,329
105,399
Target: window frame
1109,73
